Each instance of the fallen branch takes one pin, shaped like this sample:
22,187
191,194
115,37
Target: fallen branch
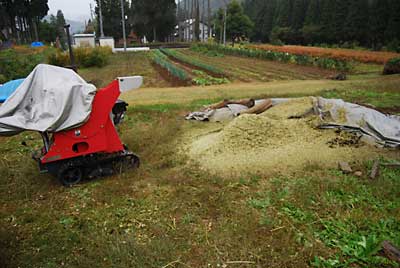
239,262
390,251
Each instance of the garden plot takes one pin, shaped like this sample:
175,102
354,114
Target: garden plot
180,70
244,69
335,53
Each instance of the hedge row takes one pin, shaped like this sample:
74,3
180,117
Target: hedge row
84,57
326,63
186,59
160,59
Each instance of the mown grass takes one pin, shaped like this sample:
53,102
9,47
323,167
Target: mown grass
170,213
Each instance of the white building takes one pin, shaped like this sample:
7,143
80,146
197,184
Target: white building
187,30
84,40
107,42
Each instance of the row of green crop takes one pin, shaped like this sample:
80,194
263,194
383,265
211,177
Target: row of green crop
160,59
326,63
186,59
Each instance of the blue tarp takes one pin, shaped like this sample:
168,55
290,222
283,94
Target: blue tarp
8,88
37,44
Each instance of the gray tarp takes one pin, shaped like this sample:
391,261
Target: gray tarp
335,113
50,99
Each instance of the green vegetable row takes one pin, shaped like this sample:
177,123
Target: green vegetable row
163,61
326,63
186,59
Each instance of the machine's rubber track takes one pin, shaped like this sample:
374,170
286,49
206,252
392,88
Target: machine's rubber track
72,171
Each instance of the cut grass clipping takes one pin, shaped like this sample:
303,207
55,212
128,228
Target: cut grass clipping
183,58
160,59
326,63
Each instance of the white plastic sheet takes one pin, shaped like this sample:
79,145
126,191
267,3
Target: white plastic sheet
50,99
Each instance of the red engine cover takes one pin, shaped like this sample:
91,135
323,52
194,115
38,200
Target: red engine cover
97,135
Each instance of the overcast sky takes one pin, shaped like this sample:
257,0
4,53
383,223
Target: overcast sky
72,9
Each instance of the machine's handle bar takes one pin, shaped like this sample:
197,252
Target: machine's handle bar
129,83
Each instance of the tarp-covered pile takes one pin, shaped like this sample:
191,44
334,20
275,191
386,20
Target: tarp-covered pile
50,99
333,113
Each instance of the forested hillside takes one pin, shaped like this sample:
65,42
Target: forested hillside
371,23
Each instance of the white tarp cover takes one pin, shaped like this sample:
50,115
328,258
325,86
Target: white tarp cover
50,99
336,113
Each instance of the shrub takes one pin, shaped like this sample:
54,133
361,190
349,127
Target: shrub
392,67
84,57
15,65
205,51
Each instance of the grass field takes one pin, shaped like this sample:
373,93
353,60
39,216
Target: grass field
170,213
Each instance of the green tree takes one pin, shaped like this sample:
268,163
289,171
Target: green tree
48,30
261,12
22,17
283,13
378,22
37,10
61,34
299,11
112,20
313,15
219,23
154,19
357,21
238,24
327,20
392,32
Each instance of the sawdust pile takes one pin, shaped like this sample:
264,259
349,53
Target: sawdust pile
271,143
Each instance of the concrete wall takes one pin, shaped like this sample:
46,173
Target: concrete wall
107,42
84,41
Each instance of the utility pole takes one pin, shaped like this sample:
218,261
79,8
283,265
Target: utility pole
225,14
91,11
225,27
123,23
101,20
209,19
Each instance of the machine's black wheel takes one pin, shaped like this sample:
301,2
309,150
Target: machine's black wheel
135,161
69,176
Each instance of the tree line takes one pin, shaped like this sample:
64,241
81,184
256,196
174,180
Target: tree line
154,19
370,23
20,19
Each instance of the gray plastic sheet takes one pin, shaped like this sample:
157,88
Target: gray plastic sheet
50,99
336,113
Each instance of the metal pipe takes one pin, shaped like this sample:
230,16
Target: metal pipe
71,53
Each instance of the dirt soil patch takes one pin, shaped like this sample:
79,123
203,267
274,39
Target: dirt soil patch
271,143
